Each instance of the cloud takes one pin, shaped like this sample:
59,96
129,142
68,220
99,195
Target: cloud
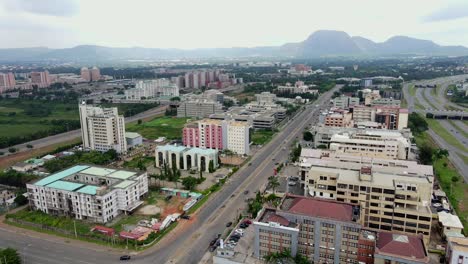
58,8
452,12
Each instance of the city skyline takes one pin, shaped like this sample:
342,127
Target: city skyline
245,24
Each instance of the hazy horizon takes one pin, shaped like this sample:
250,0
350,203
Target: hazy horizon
223,24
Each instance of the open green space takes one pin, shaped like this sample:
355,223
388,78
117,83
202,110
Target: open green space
261,137
169,127
450,181
443,133
412,90
139,162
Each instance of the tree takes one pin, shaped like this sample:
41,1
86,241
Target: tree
139,121
426,154
189,182
21,200
307,136
175,99
440,153
211,168
417,123
10,256
273,182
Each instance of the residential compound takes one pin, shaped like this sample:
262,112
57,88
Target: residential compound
378,143
185,158
330,232
218,134
150,89
102,129
90,193
394,195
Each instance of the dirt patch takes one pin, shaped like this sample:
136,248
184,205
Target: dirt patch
149,210
232,160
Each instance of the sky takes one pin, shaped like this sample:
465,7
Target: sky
189,24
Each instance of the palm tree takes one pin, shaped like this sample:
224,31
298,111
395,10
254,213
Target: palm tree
273,182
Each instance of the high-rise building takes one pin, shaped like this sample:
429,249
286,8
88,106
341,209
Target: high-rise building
85,74
7,80
102,129
149,89
95,74
42,79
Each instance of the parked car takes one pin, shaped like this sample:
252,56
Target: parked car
125,257
292,183
186,217
229,224
240,231
213,242
243,225
247,221
246,192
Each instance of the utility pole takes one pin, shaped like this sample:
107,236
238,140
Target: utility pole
74,227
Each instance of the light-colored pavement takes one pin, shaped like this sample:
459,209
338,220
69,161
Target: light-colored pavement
70,135
189,243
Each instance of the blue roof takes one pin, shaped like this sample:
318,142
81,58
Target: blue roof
88,189
65,185
172,148
60,175
201,151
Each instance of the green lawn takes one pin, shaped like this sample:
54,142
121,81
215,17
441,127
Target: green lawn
169,127
443,133
261,137
21,129
412,90
139,162
427,100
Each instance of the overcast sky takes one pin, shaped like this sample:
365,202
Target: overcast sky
223,23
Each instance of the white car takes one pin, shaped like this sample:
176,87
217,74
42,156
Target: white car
239,231
291,183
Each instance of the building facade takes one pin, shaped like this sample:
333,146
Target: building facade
102,129
41,79
199,108
184,158
90,193
457,250
7,81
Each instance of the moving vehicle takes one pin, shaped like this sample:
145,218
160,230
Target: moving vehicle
125,257
229,224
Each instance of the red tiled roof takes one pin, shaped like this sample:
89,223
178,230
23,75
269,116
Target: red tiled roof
322,208
406,246
129,235
277,219
103,229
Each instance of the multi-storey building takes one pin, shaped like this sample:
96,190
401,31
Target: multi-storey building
95,74
85,74
391,117
41,79
338,119
298,88
390,198
323,231
218,134
345,102
186,158
102,129
395,248
457,250
90,193
7,81
199,108
265,98
149,89
386,101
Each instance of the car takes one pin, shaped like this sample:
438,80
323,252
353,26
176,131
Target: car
125,257
235,239
246,192
212,242
247,221
291,183
229,224
243,225
276,163
168,197
236,235
186,217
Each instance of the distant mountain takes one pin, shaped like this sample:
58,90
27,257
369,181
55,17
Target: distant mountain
322,43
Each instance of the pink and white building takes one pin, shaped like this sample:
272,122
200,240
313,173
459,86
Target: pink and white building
218,134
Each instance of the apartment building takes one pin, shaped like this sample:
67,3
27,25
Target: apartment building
218,134
92,193
390,198
457,250
386,101
199,108
338,119
92,75
184,158
345,102
323,231
41,79
376,143
149,89
102,129
7,81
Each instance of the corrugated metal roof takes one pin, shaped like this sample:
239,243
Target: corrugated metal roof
65,185
60,175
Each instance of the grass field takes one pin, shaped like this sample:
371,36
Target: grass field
169,127
412,90
443,133
445,172
261,137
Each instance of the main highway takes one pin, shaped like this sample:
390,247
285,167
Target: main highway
188,242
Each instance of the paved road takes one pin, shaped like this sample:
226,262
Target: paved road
191,243
440,104
70,135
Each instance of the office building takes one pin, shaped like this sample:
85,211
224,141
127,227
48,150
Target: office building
323,231
391,117
91,193
265,98
102,129
218,134
457,250
185,158
345,102
339,118
366,83
391,198
395,248
41,79
199,108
